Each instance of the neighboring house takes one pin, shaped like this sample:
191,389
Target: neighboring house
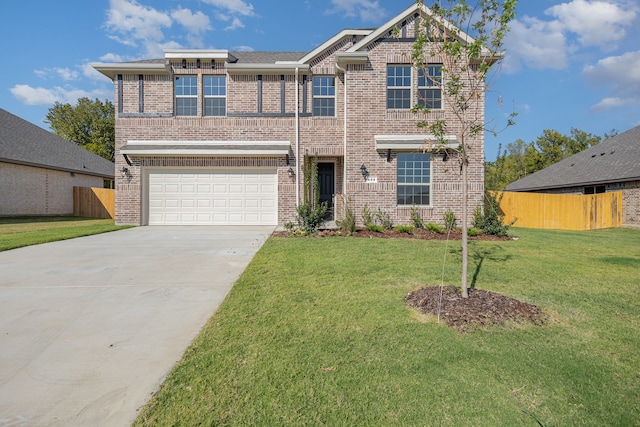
38,169
612,165
219,137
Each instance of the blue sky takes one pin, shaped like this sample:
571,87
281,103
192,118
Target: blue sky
569,63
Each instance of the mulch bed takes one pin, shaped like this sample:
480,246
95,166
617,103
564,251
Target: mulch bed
481,309
416,233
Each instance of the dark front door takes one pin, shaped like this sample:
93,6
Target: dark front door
326,181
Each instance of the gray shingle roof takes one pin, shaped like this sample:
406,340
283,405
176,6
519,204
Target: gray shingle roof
616,159
266,57
24,143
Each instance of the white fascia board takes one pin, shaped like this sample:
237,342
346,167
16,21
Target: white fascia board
279,68
221,54
386,27
332,41
112,69
414,142
415,8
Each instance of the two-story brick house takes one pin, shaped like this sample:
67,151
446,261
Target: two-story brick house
219,137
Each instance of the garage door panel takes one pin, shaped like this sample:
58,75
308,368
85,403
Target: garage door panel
212,197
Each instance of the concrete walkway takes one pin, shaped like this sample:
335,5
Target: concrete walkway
90,327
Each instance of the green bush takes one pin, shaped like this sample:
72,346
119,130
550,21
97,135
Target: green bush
375,228
473,232
310,217
434,228
367,216
348,222
449,219
491,221
404,228
384,219
416,218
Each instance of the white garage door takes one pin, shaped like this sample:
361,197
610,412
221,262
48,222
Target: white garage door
221,197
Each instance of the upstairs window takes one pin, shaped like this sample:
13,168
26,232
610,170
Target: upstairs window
186,96
429,87
398,86
215,95
324,96
414,179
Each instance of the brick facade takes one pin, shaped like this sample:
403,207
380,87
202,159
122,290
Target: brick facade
254,102
28,190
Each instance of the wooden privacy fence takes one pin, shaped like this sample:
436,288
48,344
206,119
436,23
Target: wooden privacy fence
563,211
94,202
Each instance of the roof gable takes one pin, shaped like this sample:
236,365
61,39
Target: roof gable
616,159
24,143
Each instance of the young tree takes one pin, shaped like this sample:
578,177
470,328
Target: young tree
443,38
90,124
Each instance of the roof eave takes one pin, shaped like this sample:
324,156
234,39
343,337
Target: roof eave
111,70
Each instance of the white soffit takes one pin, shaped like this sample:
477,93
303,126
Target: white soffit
414,142
207,148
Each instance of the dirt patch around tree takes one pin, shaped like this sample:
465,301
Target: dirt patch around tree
481,309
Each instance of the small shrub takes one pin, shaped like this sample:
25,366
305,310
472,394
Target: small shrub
491,222
310,217
375,228
289,225
348,223
434,228
367,216
449,219
473,232
416,218
384,219
405,228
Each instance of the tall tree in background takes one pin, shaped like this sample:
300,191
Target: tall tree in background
465,73
521,158
89,124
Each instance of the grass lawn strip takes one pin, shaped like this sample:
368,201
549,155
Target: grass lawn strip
16,232
316,332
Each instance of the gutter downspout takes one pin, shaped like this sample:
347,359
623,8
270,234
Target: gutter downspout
297,141
344,140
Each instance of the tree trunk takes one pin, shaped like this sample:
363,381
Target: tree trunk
465,246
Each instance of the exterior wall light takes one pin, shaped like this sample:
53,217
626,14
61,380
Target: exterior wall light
363,170
124,171
291,172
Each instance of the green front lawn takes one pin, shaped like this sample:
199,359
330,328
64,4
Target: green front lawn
316,332
16,232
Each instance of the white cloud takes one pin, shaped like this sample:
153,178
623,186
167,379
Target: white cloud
132,20
538,44
111,57
41,96
596,23
65,74
239,7
235,23
613,102
366,10
195,23
622,73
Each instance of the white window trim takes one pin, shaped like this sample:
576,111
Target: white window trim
205,96
313,96
176,96
409,88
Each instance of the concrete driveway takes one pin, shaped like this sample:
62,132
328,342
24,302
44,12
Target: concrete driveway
90,327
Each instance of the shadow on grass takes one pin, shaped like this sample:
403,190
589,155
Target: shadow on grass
32,219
